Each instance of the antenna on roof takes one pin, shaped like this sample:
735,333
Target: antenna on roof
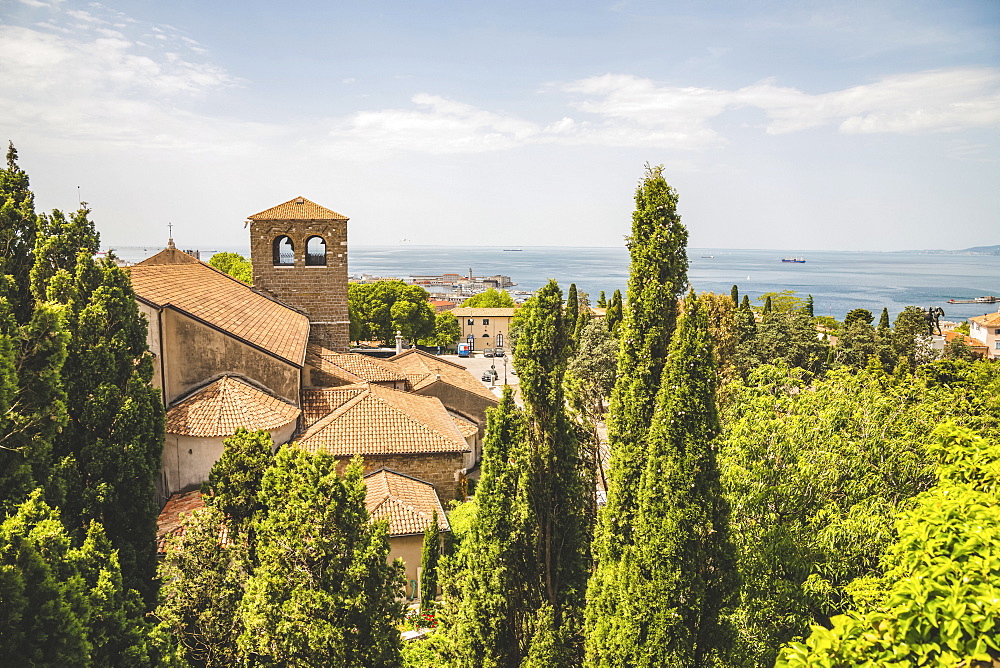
79,197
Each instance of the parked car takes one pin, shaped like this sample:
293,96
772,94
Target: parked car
498,352
488,352
489,374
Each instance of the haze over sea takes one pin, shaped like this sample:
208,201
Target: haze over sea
837,280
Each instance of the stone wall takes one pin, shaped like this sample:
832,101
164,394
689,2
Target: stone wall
318,291
441,469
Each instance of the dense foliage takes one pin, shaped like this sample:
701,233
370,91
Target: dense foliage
491,298
446,331
938,603
319,592
678,573
816,472
378,310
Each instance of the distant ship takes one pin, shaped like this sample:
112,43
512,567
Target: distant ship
708,257
798,260
512,250
978,300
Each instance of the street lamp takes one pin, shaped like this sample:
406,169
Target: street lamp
493,374
505,368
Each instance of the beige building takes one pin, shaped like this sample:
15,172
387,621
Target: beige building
484,327
408,504
986,329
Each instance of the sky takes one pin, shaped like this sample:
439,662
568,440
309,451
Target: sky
788,125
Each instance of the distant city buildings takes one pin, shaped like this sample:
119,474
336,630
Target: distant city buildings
453,288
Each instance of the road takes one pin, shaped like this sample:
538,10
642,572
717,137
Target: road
479,364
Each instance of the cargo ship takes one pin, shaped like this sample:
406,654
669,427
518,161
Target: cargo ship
797,260
978,300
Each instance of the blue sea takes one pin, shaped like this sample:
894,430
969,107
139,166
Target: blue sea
838,280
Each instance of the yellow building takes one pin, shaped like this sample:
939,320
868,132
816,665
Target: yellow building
484,327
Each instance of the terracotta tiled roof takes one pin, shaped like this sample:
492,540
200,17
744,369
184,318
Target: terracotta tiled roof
222,406
423,369
409,503
472,312
298,208
968,340
382,421
193,287
988,319
317,404
467,427
352,367
170,521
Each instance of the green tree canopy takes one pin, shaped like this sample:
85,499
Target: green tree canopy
446,331
657,278
233,264
937,604
491,298
815,472
378,310
678,573
323,593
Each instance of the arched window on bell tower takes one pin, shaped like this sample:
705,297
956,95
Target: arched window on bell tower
283,253
315,252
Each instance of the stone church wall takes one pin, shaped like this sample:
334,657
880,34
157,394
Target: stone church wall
195,353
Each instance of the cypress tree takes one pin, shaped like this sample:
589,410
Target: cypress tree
572,309
614,313
557,480
602,301
63,605
678,574
883,321
657,277
323,594
235,480
38,415
734,293
109,455
490,591
429,557
809,306
18,229
768,306
203,584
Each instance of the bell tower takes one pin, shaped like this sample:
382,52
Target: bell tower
299,254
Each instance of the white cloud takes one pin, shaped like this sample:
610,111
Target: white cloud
932,101
438,126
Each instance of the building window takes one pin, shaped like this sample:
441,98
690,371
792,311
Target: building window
996,331
998,345
470,321
486,336
486,321
282,252
315,252
499,340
